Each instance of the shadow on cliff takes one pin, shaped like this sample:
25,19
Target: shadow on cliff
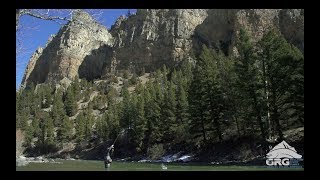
216,31
292,28
94,64
46,61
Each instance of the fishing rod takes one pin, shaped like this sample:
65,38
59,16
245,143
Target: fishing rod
117,137
121,132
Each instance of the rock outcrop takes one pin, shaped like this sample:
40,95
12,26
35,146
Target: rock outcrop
221,27
65,52
151,38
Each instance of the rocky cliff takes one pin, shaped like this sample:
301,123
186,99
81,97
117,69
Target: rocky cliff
221,27
151,38
69,51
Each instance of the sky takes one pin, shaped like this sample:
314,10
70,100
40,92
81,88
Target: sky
35,32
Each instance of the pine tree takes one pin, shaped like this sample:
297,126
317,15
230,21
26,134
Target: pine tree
228,81
46,139
153,113
30,101
158,86
112,119
125,121
197,107
134,79
139,88
182,80
163,78
186,69
45,94
284,74
41,142
80,127
168,118
132,120
76,88
112,95
57,112
101,128
65,131
164,72
126,74
85,90
182,116
174,76
34,101
29,134
209,62
207,103
182,100
88,121
50,136
142,71
140,123
22,120
249,83
36,127
70,102
84,84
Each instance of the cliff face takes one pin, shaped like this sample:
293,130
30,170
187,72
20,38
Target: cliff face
66,51
151,38
221,27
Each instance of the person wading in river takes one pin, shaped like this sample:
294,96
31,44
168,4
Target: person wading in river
107,159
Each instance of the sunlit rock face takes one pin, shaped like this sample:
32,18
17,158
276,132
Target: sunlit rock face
65,52
151,38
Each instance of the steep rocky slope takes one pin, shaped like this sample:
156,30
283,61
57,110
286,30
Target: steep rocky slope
69,52
151,38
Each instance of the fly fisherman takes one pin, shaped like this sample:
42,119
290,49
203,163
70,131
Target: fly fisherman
107,159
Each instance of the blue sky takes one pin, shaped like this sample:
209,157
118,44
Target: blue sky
35,33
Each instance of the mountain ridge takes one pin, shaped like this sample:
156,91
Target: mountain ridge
151,38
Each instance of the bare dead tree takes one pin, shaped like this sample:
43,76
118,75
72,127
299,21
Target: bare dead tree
37,14
59,16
